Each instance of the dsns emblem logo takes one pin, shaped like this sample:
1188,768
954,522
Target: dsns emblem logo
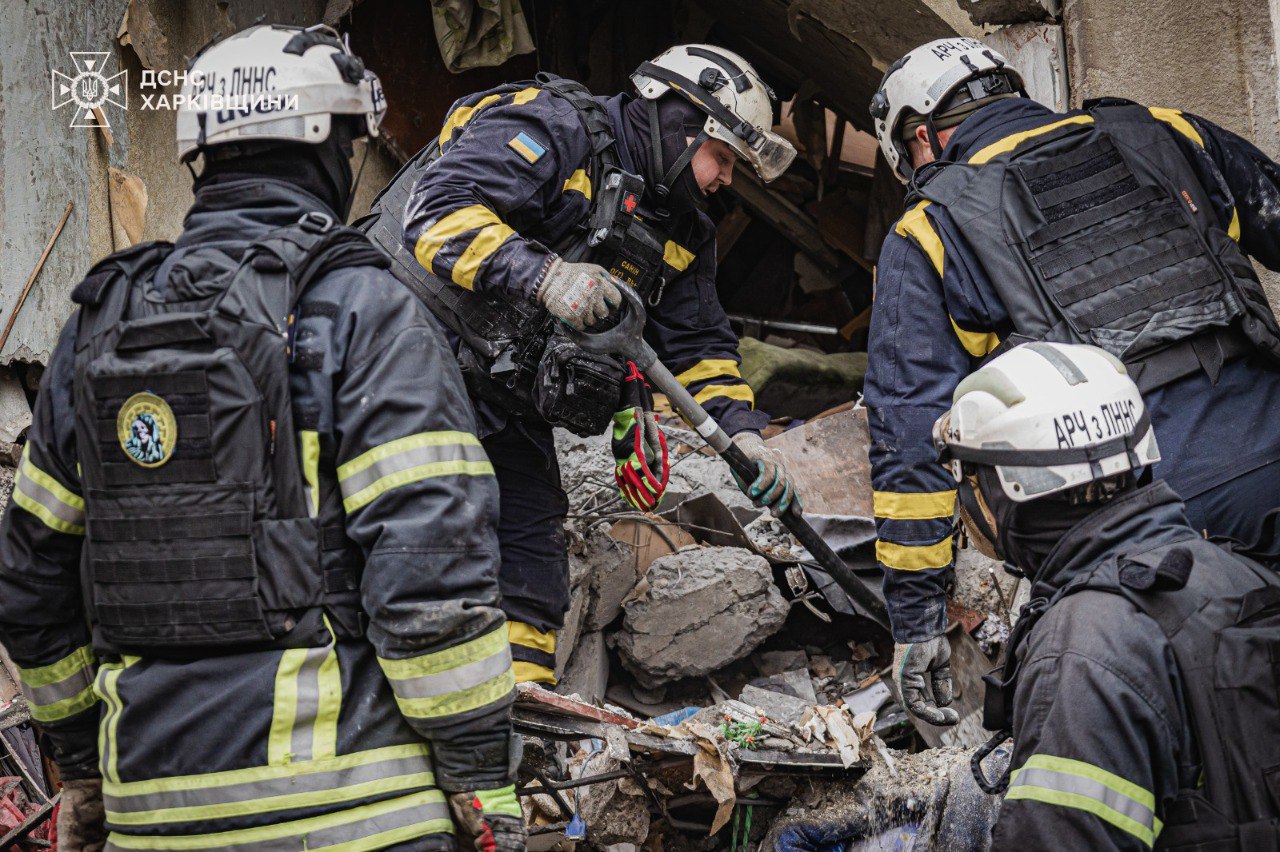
147,429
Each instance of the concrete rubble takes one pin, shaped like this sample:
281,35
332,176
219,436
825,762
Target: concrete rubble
698,611
724,672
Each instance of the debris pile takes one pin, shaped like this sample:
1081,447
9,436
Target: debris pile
706,667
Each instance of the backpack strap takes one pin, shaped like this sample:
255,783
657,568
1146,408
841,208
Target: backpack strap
103,294
310,248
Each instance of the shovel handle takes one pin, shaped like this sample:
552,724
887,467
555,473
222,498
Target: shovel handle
626,339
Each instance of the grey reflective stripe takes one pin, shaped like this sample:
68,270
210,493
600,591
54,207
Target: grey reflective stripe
1066,782
297,781
46,498
406,459
453,680
69,687
308,707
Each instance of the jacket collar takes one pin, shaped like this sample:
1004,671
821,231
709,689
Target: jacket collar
994,122
1138,521
225,218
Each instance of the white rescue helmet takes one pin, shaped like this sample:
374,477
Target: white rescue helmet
737,101
273,82
933,79
1048,417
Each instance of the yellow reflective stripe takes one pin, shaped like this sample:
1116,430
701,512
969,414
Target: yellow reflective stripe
913,507
916,225
1013,140
285,707
742,392
1119,784
1173,118
460,116
526,672
489,240
62,689
46,498
1233,230
374,816
529,636
461,701
107,687
482,647
310,444
231,777
711,368
905,557
78,660
979,344
676,256
1081,802
578,182
458,222
308,699
325,743
410,459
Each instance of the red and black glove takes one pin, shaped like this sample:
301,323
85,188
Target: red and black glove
639,447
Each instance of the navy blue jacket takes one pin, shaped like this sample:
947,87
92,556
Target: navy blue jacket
341,742
512,180
937,316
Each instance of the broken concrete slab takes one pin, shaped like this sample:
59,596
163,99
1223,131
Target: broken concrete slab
614,811
1039,52
702,609
15,412
1002,12
586,675
776,662
775,705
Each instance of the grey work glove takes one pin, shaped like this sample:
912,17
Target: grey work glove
911,662
486,821
81,816
773,486
581,294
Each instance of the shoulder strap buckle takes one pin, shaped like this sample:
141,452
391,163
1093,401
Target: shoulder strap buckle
315,222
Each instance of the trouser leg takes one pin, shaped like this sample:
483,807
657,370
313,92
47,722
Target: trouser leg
534,575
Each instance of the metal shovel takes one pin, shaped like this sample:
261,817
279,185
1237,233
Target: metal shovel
625,339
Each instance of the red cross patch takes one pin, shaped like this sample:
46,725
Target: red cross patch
629,203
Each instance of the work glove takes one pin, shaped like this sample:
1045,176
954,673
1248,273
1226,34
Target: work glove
581,294
489,820
81,816
640,466
911,662
772,486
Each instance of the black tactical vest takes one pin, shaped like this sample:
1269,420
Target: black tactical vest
1100,232
512,352
1223,623
199,536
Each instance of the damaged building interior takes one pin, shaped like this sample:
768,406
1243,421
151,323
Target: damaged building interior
717,689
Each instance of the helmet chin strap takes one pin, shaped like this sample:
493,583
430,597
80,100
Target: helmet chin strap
935,144
663,189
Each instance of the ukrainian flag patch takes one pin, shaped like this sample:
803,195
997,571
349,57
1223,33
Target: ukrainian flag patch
524,145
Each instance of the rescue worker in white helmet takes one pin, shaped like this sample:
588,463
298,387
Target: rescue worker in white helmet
1117,225
535,203
274,622
1141,703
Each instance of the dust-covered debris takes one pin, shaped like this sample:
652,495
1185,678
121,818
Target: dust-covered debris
698,611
